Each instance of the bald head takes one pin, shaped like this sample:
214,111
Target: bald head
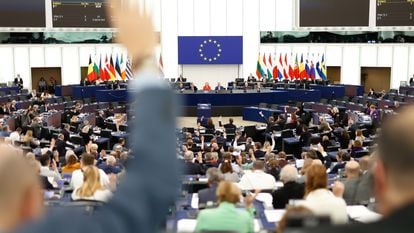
20,193
352,169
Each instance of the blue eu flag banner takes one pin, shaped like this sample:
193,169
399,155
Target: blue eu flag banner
210,50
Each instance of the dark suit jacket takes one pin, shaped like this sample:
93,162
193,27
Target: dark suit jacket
66,134
401,221
100,122
193,169
207,195
290,190
141,201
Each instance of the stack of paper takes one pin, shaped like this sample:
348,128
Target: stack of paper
362,214
274,215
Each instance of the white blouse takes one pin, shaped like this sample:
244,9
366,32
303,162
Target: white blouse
100,195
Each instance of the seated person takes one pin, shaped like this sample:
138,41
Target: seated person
251,78
257,179
342,157
356,147
228,173
91,189
320,200
111,166
219,87
77,176
352,172
46,170
206,87
190,167
207,197
291,188
72,163
193,87
226,217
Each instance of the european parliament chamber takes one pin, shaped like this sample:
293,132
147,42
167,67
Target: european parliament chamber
287,116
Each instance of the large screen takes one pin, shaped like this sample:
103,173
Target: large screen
395,13
334,13
80,13
22,13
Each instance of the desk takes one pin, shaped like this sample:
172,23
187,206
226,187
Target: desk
236,98
330,91
8,89
276,96
354,90
64,90
111,95
53,119
252,113
80,92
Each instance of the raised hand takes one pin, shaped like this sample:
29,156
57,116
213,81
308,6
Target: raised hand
135,29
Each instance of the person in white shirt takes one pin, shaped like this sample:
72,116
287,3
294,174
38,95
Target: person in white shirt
45,170
91,188
15,135
257,179
320,200
77,176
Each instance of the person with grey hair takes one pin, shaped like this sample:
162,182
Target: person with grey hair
190,167
208,196
291,188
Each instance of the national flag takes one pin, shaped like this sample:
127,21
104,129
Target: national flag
96,70
280,68
296,69
259,70
291,71
128,70
101,70
312,73
269,72
302,71
307,69
106,69
112,75
91,73
203,50
286,67
123,68
118,74
323,68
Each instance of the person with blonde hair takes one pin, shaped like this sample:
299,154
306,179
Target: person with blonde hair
91,188
226,217
320,200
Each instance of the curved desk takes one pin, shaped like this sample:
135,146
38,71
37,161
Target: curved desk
239,98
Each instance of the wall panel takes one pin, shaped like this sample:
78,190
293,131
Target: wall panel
37,56
267,15
351,70
235,20
53,56
71,73
399,71
6,64
202,20
185,17
22,65
218,17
